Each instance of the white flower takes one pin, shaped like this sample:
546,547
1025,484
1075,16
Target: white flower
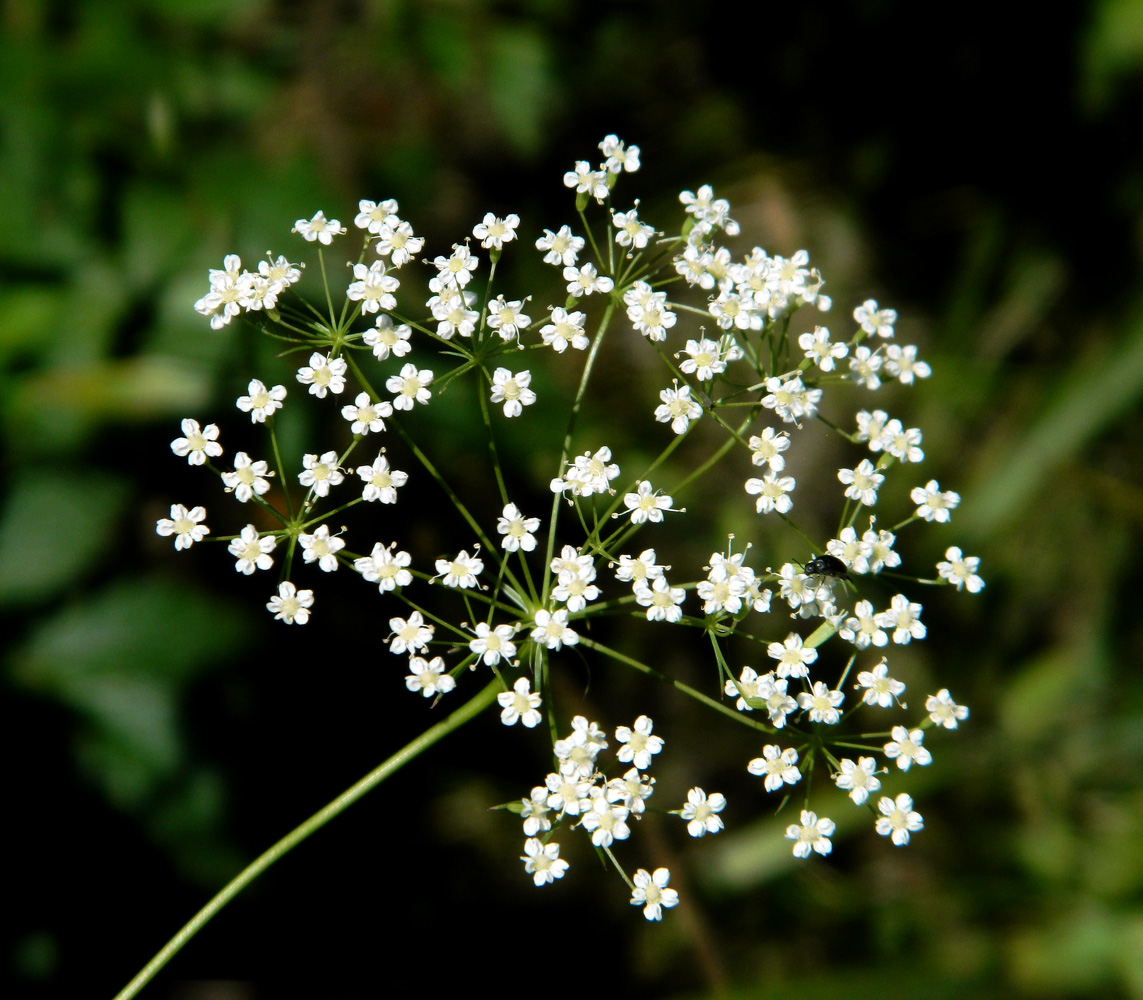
322,548
960,571
552,629
409,635
861,483
606,821
652,894
512,390
585,279
323,374
372,214
493,233
906,748
429,676
507,318
874,320
933,504
639,745
290,604
248,478
261,402
772,492
397,241
638,570
492,645
629,231
646,504
864,367
381,482
898,819
462,571
184,525
677,408
517,529
385,567
811,834
822,704
386,339
373,288
320,473
560,248
564,329
662,601
944,711
318,228
880,688
704,359
455,271
618,155
365,416
410,385
543,861
793,658
859,779
767,448
820,351
196,445
521,704
251,551
904,617
701,812
777,767
902,363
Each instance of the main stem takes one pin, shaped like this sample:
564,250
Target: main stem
468,711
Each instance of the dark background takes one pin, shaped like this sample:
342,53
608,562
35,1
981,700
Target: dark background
978,169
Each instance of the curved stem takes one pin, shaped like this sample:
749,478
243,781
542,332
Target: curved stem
473,707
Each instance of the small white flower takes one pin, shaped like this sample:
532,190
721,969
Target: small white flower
290,604
517,529
811,834
944,711
251,551
323,374
184,525
512,390
261,402
543,861
859,779
521,704
898,819
652,894
318,228
196,445
321,547
639,745
906,748
461,571
429,676
410,385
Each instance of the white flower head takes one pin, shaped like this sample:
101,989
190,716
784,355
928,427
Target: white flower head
651,892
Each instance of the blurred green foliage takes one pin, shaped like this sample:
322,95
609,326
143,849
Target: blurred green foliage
990,188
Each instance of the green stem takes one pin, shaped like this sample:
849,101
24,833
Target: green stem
465,713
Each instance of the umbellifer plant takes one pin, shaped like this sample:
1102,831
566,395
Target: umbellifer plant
518,589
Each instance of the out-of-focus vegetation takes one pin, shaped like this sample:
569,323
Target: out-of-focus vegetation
986,183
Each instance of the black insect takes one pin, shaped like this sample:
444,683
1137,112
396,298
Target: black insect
827,565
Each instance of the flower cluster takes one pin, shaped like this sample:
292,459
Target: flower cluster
516,591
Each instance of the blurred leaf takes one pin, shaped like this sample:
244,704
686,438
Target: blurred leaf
30,313
54,527
120,660
1093,394
53,410
520,85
